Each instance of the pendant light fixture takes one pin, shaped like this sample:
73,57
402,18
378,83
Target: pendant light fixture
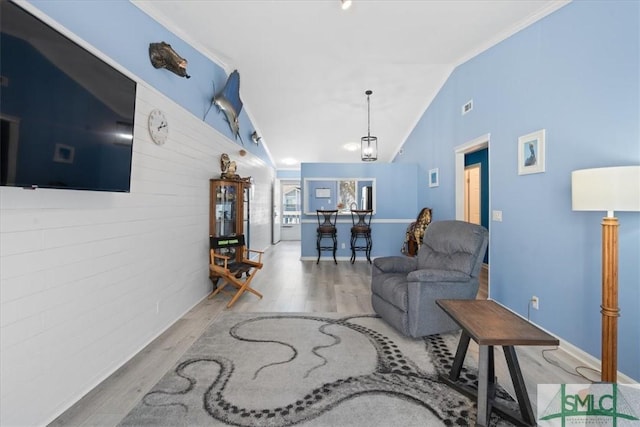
369,144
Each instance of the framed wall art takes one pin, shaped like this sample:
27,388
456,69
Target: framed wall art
531,153
64,153
323,193
434,177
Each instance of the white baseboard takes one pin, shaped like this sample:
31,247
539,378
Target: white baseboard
577,353
330,258
588,360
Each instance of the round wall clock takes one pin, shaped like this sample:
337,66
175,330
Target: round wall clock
158,127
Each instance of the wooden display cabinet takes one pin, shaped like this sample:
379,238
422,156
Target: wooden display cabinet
229,208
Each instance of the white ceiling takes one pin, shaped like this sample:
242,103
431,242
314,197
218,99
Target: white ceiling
305,64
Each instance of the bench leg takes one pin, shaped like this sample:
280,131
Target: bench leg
526,412
461,352
483,386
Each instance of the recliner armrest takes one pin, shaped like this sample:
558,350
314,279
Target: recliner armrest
431,275
394,264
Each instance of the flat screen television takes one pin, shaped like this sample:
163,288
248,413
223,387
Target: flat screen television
66,116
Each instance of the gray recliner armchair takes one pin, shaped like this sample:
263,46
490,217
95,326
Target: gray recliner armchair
404,290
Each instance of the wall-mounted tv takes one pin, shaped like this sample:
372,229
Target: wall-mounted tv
66,116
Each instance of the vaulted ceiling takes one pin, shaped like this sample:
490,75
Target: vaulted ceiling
305,64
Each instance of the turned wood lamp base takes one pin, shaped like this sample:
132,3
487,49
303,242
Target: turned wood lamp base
609,308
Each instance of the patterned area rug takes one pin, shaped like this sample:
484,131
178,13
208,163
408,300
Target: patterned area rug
255,369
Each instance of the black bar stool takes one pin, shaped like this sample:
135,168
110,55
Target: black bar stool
361,229
327,229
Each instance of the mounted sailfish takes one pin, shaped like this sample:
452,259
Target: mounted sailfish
228,101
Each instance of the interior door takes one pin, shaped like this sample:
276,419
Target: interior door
472,188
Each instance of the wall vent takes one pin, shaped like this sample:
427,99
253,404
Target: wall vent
467,107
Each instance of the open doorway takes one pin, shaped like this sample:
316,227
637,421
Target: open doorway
473,189
477,189
472,176
9,129
291,209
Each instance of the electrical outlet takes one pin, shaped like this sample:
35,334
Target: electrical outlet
535,302
344,245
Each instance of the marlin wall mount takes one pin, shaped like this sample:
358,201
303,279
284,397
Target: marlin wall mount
228,101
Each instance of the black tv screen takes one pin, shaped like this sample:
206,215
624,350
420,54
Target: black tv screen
66,115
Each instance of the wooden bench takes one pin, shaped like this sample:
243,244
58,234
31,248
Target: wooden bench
489,324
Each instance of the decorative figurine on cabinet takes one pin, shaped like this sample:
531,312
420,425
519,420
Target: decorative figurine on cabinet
228,167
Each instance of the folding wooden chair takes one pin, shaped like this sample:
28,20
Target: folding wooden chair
230,268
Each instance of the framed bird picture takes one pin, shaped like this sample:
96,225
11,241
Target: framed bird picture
531,153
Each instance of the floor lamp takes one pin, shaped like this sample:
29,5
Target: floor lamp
608,189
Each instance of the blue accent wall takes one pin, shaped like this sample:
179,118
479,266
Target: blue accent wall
576,74
123,32
288,174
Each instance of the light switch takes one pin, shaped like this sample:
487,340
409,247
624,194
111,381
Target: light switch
497,216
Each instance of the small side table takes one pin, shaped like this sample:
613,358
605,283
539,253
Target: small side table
489,324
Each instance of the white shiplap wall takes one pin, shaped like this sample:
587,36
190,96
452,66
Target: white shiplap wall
89,278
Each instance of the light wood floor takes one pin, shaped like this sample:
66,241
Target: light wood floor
288,285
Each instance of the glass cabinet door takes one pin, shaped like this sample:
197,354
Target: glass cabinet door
246,215
229,211
225,210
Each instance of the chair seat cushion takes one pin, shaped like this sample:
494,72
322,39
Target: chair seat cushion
392,287
238,268
326,229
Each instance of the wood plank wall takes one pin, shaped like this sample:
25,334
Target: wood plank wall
89,278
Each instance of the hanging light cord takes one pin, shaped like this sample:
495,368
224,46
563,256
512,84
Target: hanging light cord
368,115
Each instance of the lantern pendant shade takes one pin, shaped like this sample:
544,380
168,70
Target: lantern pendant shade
369,144
369,148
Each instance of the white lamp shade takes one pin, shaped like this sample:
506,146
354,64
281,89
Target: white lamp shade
606,189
